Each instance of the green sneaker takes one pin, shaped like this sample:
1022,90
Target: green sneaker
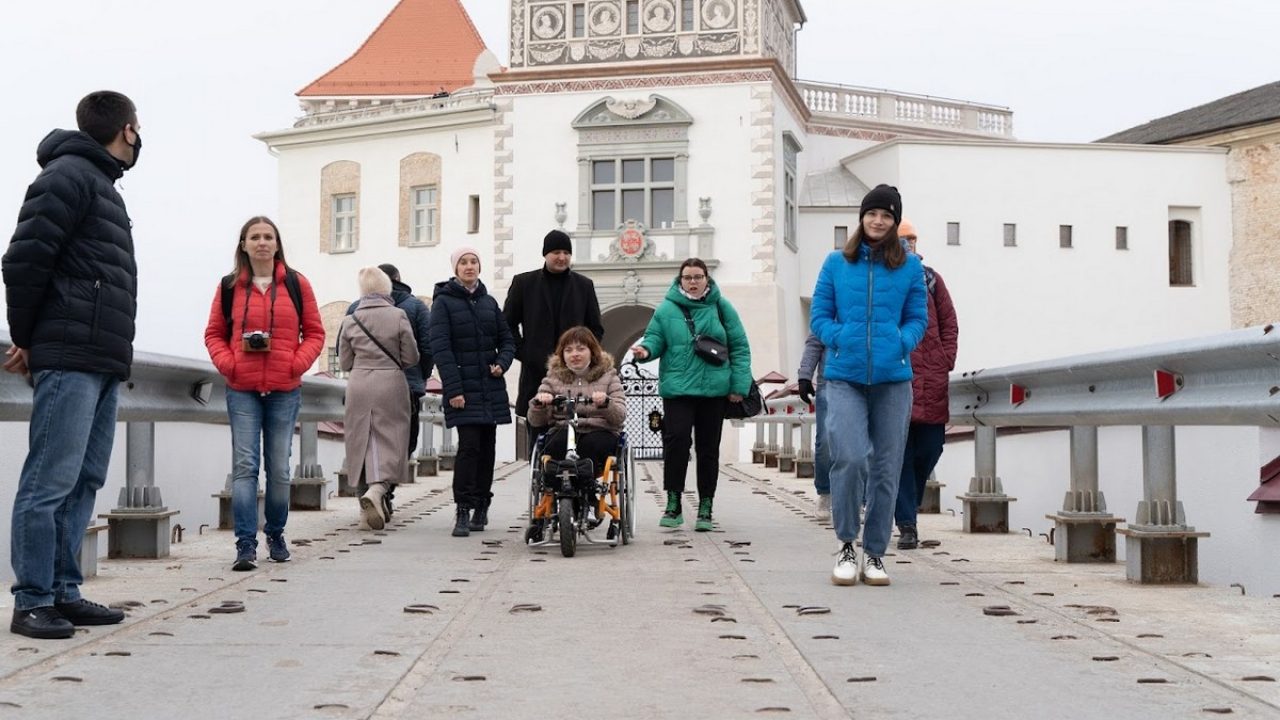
703,523
674,516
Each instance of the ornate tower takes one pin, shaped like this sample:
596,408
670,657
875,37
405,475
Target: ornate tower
562,33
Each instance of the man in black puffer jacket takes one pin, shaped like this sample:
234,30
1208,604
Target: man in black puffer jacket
71,286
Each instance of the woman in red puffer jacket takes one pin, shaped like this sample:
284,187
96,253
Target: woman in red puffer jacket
262,346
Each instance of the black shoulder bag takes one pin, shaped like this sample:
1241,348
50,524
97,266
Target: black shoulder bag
715,352
706,347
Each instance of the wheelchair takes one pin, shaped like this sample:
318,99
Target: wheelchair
563,493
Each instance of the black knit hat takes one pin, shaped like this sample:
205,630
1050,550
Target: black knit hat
556,240
883,197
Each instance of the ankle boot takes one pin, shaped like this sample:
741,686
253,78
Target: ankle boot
703,523
674,516
462,522
480,517
371,506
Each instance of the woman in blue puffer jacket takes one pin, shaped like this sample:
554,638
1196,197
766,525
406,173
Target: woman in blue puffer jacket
870,310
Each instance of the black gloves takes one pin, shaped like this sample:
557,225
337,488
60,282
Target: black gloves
806,391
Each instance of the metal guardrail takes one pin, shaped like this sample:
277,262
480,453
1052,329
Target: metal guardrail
165,388
1227,379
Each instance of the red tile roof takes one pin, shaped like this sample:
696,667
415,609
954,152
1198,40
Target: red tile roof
421,48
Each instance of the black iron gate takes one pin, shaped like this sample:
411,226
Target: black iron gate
642,400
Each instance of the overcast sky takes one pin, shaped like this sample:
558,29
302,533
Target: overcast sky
208,76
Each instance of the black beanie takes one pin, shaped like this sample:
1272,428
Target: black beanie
883,197
556,240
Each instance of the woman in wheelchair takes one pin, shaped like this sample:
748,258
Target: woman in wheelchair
580,368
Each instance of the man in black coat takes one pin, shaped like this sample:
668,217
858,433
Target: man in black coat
71,285
420,320
541,304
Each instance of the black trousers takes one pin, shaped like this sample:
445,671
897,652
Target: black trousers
473,465
596,445
415,424
692,422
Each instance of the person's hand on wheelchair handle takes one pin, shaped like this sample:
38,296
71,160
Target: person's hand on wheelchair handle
543,398
806,392
598,398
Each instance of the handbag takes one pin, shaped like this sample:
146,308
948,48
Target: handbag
717,353
706,347
752,405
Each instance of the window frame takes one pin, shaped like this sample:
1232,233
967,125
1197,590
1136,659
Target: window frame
1066,237
953,233
1011,235
431,212
1180,276
618,187
337,218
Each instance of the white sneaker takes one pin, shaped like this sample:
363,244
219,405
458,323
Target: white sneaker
846,570
873,572
823,513
371,506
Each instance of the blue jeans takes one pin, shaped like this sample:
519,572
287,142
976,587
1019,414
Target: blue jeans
924,447
866,431
73,426
258,422
821,453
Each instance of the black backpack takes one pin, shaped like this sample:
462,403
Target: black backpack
291,284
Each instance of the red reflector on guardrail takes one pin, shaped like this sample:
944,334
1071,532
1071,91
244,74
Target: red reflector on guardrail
1017,395
1167,383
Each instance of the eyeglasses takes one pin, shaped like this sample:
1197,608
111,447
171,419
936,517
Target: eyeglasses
693,278
908,238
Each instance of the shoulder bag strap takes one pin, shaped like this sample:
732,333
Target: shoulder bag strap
381,347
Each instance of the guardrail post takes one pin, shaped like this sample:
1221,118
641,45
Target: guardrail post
757,450
447,451
139,526
428,460
1084,531
804,455
931,502
307,490
771,450
986,507
787,457
1159,546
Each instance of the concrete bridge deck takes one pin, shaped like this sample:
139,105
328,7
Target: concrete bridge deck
616,634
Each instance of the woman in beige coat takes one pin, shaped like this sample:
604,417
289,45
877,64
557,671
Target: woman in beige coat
375,344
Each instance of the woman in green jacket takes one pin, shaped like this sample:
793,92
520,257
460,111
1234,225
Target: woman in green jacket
694,390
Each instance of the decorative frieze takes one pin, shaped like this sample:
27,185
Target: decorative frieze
550,87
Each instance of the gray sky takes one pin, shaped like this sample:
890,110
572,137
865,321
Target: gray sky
205,80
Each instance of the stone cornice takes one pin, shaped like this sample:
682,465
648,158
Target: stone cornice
378,126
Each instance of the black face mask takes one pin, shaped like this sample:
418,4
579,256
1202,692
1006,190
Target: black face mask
137,150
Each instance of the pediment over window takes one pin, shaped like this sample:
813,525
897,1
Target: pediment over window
632,112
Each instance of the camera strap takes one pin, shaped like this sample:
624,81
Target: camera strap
381,347
248,295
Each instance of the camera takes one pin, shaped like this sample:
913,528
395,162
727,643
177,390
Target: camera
257,341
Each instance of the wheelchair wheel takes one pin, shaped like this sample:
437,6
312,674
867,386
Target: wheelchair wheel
535,486
629,470
625,507
568,536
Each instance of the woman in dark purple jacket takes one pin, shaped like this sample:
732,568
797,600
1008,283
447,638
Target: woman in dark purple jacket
932,362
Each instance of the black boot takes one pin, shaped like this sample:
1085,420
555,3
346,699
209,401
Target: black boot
462,521
480,517
907,538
